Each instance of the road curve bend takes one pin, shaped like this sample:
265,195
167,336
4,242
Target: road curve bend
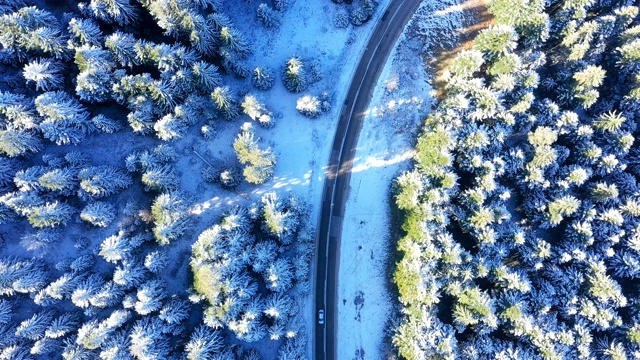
338,173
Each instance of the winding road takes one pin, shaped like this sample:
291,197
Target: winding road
338,173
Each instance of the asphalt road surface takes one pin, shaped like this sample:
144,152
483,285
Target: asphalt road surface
338,173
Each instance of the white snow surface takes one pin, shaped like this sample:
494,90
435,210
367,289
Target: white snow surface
385,148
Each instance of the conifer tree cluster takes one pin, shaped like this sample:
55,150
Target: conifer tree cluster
521,213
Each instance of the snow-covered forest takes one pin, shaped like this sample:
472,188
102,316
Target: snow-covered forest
521,216
116,117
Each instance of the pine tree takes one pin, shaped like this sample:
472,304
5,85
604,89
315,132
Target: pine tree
294,75
45,73
278,306
45,346
175,311
66,120
267,16
170,217
150,296
281,5
34,328
63,286
118,247
82,263
120,11
116,347
203,344
263,78
129,274
50,215
6,313
147,341
225,103
160,178
279,275
122,48
109,295
257,111
61,180
206,76
156,261
62,325
85,32
496,41
85,290
18,142
262,254
101,181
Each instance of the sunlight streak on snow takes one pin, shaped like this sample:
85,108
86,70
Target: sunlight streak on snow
373,161
449,10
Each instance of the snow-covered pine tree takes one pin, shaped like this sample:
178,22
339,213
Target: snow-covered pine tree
65,324
40,240
267,16
204,343
109,295
61,180
309,105
262,254
122,12
171,217
150,296
206,76
156,261
262,78
101,181
85,32
35,327
129,274
116,347
45,346
63,287
122,48
277,306
147,340
45,73
294,76
175,311
98,213
160,178
82,263
85,290
281,5
118,247
50,215
279,275
65,119
225,103
18,142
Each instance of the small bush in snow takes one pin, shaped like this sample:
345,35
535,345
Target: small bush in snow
257,111
99,213
312,106
341,21
281,5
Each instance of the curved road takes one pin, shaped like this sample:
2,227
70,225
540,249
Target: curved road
338,173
